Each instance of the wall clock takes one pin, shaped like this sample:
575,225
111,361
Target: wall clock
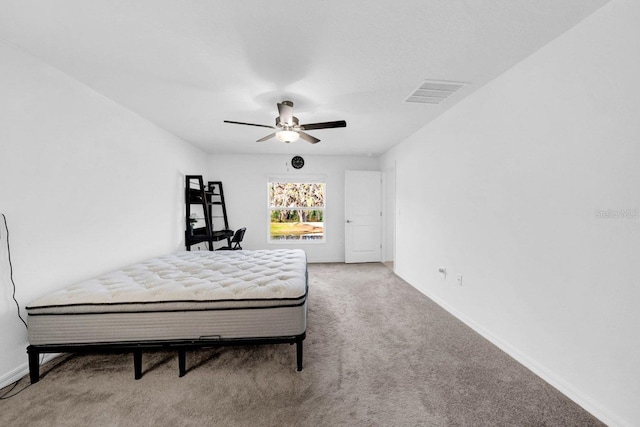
297,162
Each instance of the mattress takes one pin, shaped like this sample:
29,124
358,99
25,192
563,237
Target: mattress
198,295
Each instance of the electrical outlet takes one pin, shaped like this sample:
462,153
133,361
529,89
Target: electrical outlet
459,279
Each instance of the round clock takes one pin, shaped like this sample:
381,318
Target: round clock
297,162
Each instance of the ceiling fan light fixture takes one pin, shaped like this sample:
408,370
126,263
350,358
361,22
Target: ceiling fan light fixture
287,136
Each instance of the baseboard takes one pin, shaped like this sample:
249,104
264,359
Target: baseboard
325,261
22,370
550,377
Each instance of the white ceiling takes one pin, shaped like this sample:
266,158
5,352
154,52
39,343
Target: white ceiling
187,65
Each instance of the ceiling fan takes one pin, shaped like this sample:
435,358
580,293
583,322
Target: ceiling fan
288,127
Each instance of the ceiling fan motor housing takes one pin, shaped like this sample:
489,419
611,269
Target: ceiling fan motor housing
287,126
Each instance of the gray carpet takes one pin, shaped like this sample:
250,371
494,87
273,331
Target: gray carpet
377,353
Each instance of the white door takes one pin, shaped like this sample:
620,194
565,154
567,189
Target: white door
362,216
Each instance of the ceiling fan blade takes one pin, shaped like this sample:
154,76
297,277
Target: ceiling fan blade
285,108
249,124
324,125
267,137
308,138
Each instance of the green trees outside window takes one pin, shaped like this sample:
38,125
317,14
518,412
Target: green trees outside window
296,211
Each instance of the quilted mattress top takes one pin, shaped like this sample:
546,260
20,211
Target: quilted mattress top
188,279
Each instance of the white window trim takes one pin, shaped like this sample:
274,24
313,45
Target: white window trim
315,178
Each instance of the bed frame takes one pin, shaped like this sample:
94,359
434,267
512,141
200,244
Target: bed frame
46,340
137,348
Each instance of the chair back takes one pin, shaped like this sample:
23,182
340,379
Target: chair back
237,237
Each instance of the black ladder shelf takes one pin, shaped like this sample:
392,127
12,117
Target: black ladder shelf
206,213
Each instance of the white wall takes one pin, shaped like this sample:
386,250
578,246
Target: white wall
389,213
86,187
244,180
505,188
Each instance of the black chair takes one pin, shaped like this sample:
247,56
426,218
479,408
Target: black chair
235,241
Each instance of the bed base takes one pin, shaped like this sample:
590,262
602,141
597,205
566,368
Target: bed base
137,348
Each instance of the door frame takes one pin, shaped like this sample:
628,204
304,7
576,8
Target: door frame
348,230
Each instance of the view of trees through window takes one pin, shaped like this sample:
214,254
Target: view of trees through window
296,210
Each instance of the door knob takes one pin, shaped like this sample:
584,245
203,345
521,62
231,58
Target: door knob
349,221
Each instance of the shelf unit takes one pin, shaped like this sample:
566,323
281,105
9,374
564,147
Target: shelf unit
205,213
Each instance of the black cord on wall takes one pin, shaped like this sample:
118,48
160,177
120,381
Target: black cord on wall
6,227
7,394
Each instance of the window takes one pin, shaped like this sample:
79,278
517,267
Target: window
296,210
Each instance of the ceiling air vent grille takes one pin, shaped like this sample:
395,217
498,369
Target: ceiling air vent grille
434,92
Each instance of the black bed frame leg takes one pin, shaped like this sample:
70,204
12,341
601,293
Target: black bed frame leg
34,365
137,364
299,352
182,362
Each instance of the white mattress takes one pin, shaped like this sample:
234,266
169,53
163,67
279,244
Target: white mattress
185,295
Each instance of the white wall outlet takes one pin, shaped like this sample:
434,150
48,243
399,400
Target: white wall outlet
459,279
443,272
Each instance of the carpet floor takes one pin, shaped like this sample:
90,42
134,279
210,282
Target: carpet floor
377,353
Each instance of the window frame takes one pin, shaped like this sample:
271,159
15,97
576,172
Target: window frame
298,179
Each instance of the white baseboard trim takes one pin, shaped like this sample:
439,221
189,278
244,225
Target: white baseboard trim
325,261
23,370
550,377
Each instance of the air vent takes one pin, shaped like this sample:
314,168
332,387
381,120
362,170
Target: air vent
434,92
